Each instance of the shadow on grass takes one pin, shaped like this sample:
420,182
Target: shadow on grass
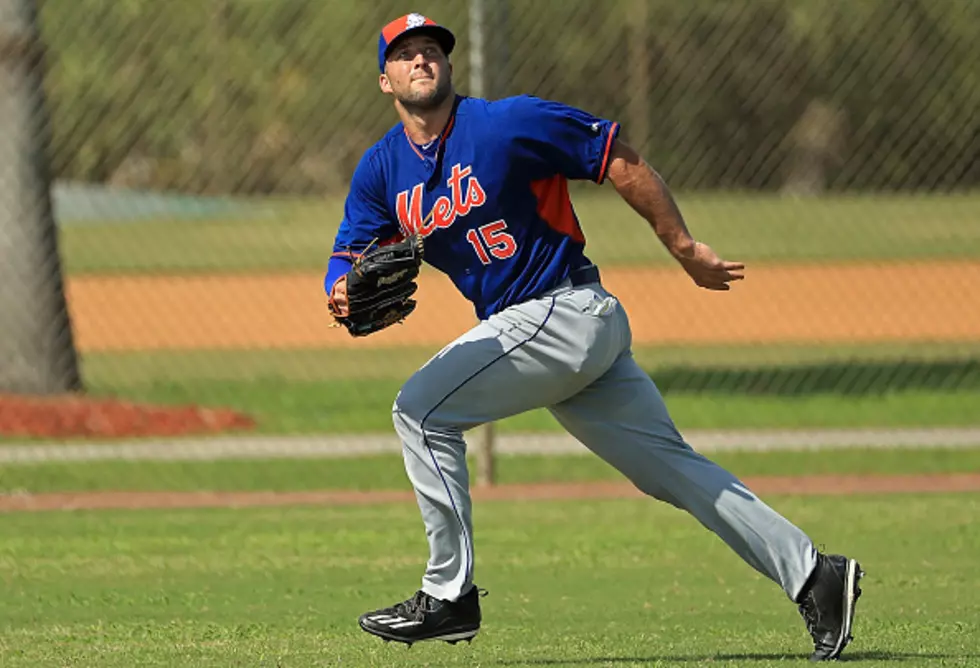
855,657
693,658
901,656
849,378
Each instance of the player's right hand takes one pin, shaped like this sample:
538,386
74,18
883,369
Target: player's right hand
708,270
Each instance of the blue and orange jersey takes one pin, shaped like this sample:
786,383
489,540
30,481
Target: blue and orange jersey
489,196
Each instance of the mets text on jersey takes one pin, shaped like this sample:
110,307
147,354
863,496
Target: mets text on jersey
445,210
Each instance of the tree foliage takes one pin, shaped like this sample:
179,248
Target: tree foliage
281,96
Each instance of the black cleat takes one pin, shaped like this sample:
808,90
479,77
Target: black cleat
424,617
827,605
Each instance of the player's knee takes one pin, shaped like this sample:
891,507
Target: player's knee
407,412
398,416
655,490
660,494
416,411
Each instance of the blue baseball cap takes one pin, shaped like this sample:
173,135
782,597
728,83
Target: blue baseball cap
411,24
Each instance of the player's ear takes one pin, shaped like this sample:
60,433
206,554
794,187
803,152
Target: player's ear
384,84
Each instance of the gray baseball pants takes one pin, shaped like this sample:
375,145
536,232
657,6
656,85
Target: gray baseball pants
569,350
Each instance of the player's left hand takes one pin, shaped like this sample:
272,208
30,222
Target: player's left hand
377,291
708,270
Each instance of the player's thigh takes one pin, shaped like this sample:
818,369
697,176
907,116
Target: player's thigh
621,417
491,372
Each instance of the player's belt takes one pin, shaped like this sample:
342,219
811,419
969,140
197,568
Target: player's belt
584,275
580,276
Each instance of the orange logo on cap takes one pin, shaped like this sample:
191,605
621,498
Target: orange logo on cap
400,25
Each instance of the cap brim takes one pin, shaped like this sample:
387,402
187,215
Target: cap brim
442,35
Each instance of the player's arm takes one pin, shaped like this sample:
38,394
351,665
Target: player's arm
646,191
550,137
366,221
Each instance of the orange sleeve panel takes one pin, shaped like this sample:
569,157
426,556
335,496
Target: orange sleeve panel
555,206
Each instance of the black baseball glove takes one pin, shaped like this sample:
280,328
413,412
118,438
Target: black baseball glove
380,286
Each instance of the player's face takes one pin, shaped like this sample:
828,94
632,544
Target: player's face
417,73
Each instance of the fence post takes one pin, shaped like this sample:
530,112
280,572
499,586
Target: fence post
485,469
218,180
638,73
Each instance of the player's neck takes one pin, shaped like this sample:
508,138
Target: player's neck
424,126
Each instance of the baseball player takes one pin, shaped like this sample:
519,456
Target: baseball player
484,185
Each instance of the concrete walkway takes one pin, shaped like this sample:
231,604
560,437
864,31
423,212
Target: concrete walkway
249,447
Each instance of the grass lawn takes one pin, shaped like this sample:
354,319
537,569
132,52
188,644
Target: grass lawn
124,369
386,472
317,391
299,235
611,583
364,407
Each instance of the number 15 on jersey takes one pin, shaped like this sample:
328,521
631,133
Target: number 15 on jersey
491,240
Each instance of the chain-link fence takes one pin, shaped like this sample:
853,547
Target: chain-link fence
198,154
278,96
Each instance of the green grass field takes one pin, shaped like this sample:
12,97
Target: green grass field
328,392
354,407
321,391
758,228
386,472
128,369
588,583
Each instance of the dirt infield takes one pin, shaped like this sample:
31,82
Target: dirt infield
767,485
805,304
817,303
74,415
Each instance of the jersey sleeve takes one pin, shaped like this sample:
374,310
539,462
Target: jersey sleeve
560,138
366,219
